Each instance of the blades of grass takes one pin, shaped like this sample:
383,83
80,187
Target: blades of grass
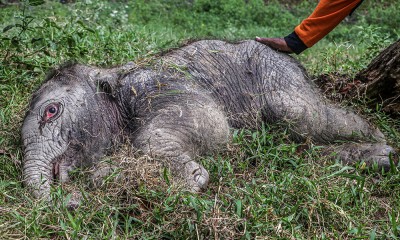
338,172
238,204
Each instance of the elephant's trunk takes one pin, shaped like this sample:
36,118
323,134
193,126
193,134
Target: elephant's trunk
37,173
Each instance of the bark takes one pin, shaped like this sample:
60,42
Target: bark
382,78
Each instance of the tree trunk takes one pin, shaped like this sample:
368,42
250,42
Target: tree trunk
382,79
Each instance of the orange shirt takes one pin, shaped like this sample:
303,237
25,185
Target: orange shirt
326,16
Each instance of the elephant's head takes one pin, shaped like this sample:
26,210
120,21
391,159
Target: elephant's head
70,122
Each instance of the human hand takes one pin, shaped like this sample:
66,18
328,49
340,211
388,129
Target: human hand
275,43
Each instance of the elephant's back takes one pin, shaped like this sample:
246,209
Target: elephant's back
232,74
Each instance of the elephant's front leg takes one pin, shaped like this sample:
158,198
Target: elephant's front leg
177,135
168,146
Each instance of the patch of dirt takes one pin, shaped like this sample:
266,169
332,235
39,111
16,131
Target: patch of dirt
338,87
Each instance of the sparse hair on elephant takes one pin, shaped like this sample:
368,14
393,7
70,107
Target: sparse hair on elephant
182,107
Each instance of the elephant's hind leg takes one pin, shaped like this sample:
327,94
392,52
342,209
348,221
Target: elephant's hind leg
292,98
289,95
326,123
311,116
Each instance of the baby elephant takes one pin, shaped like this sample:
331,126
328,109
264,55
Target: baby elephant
182,106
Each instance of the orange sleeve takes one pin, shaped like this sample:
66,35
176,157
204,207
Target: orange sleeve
326,16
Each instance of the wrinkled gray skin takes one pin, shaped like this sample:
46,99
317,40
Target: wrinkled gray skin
182,107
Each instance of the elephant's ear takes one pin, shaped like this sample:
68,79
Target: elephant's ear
107,79
106,86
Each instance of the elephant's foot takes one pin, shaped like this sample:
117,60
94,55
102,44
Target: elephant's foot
197,178
378,154
193,174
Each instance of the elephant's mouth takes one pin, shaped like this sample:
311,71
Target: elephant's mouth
55,172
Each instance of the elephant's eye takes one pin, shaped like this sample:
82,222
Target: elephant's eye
51,112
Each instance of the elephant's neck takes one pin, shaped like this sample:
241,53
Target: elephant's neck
112,119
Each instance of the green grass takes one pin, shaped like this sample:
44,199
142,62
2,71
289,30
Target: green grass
262,186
